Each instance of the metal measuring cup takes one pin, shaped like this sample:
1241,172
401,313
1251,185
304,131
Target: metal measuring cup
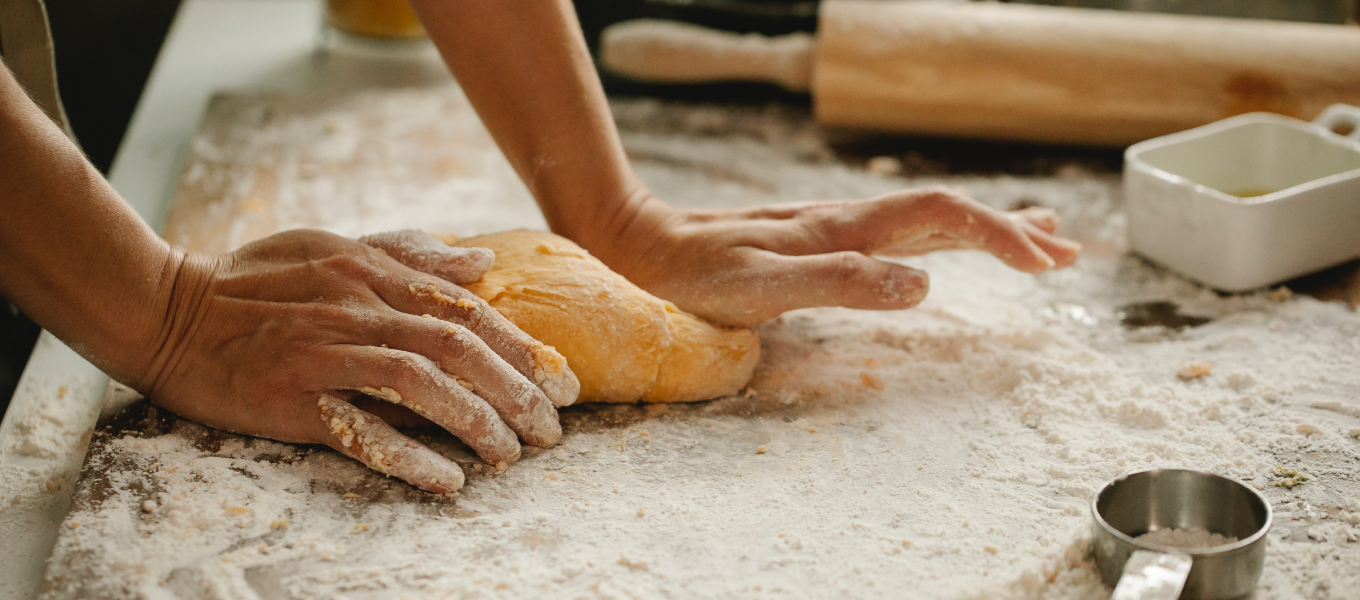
1147,501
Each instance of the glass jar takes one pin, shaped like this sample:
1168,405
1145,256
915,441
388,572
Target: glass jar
384,19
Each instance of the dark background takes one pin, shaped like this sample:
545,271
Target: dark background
104,52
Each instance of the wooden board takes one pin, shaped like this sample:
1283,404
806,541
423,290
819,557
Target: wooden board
879,427
351,163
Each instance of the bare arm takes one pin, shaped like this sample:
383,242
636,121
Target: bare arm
526,69
73,255
275,338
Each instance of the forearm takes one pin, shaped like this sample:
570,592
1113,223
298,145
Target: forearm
73,256
526,69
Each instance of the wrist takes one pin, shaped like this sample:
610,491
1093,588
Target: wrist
625,235
181,301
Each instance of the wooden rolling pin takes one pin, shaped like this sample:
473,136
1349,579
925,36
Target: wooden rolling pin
1014,72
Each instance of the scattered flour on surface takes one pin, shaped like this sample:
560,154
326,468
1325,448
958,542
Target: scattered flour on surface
952,448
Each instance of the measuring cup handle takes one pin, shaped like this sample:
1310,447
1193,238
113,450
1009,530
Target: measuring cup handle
1341,119
1153,576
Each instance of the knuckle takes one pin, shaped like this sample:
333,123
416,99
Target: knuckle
846,269
300,329
823,221
942,197
328,315
314,242
405,371
324,320
1010,229
358,262
457,340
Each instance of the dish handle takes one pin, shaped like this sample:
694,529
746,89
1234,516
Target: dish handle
1341,119
1153,576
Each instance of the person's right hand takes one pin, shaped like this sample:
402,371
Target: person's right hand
739,267
273,340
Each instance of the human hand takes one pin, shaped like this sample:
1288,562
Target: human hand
740,267
273,340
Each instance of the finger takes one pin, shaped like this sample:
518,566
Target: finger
1043,218
847,279
369,440
464,356
1063,251
936,219
419,384
423,252
906,224
1004,239
1000,237
540,363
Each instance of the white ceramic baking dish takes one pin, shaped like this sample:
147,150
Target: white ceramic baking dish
1248,201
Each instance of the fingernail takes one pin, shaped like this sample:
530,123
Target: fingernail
553,376
445,477
906,286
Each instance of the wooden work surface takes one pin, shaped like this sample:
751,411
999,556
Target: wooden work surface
951,448
351,162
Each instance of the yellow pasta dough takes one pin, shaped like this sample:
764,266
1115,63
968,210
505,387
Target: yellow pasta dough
624,344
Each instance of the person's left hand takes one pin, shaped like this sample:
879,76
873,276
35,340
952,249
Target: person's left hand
740,267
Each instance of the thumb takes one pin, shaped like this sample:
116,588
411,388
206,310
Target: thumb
847,279
425,253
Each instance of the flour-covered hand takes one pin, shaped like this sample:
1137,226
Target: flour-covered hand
293,336
739,267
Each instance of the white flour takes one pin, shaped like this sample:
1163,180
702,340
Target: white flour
944,452
1194,537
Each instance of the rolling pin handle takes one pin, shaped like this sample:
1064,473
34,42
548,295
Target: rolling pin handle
659,51
1342,120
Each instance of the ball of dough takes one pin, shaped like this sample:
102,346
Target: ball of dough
624,344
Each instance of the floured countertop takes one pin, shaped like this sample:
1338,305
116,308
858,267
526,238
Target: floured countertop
948,451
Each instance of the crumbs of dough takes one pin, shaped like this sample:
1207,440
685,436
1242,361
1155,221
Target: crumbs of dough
431,290
548,360
871,381
1290,477
1195,369
384,393
347,423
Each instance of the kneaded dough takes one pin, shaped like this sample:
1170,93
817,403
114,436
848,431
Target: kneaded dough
624,344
